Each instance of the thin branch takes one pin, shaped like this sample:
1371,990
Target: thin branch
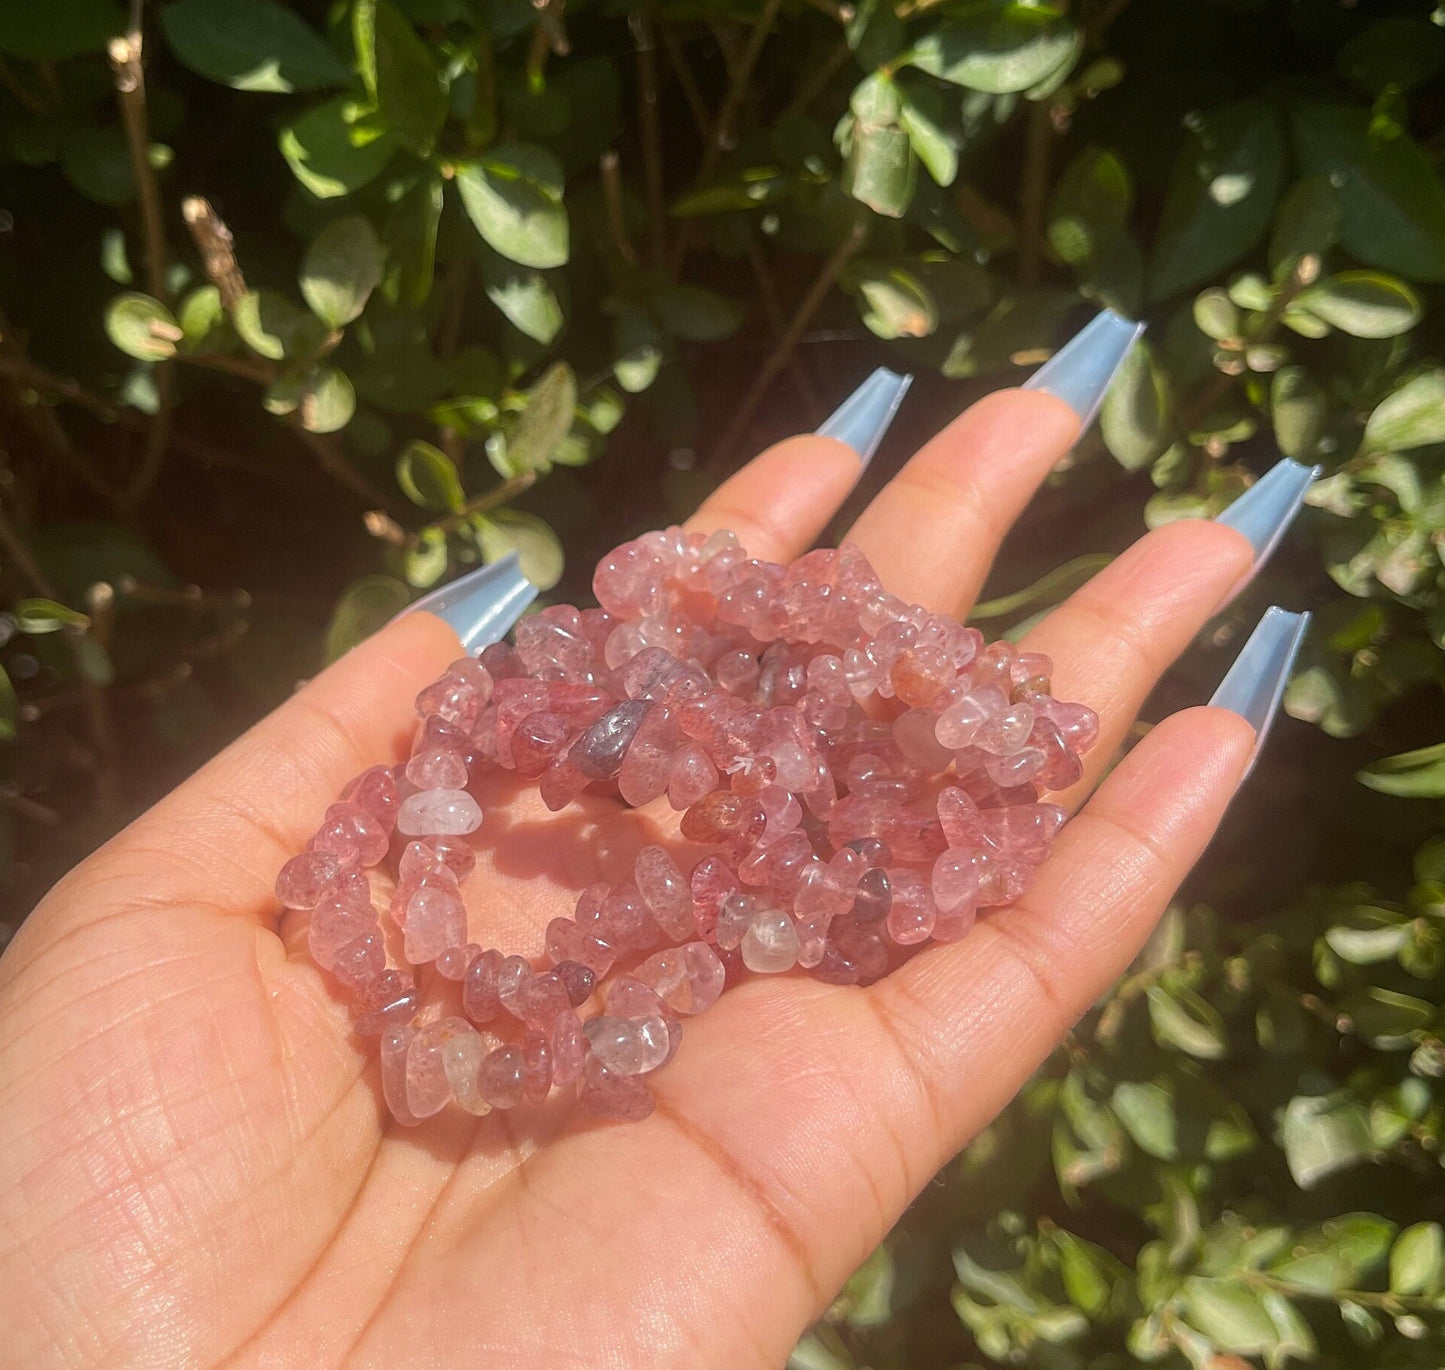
494,498
612,197
817,82
691,91
817,293
217,248
456,287
19,90
331,459
129,73
1034,192
649,116
778,322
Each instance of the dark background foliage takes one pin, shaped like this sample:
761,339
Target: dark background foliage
305,308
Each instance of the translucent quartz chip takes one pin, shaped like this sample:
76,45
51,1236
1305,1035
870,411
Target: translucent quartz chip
332,929
629,997
436,918
462,1056
395,1047
770,944
688,979
303,879
361,960
536,999
577,980
629,1046
390,1000
873,900
622,1098
665,891
375,791
569,1048
480,1001
351,834
912,914
436,768
598,753
452,962
502,1076
428,1088
449,812
955,881
536,1067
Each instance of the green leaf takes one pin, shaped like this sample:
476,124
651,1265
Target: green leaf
250,45
426,560
399,75
1392,206
932,144
541,426
1403,52
638,348
694,312
513,197
1306,224
142,327
1411,775
1364,304
998,48
59,29
1298,408
1183,1019
1385,1018
319,148
428,477
1367,936
365,605
96,161
537,547
525,298
411,242
879,165
1135,419
1414,416
1215,314
322,398
894,303
1085,1271
38,617
1230,1314
1340,1252
274,328
1417,1260
203,321
341,268
9,708
1221,195
1321,1135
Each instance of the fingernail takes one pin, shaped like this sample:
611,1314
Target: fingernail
1080,371
1254,685
1265,511
863,418
483,604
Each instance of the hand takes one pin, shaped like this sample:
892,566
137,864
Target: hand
196,1167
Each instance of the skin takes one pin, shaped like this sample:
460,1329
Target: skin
196,1168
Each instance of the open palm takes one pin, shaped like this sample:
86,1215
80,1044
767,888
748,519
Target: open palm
196,1168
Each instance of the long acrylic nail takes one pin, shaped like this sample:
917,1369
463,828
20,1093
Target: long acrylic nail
1265,511
483,604
863,418
1079,373
1254,685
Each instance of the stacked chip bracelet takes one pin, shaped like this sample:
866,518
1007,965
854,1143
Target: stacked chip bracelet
865,775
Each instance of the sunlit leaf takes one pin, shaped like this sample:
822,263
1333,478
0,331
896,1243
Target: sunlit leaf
250,45
538,549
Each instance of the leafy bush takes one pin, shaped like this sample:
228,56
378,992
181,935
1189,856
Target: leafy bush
331,300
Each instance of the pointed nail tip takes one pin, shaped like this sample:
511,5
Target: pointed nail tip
1080,372
1264,513
1254,685
863,419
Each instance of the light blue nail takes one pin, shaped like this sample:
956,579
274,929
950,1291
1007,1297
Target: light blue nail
1265,511
1080,371
1254,685
863,418
483,604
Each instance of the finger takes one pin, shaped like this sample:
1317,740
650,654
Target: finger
222,835
933,530
1113,638
782,500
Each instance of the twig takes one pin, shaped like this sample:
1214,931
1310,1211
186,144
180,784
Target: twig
456,288
1034,193
19,90
332,460
648,115
612,197
723,133
817,82
494,498
817,293
778,322
217,248
126,66
691,91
